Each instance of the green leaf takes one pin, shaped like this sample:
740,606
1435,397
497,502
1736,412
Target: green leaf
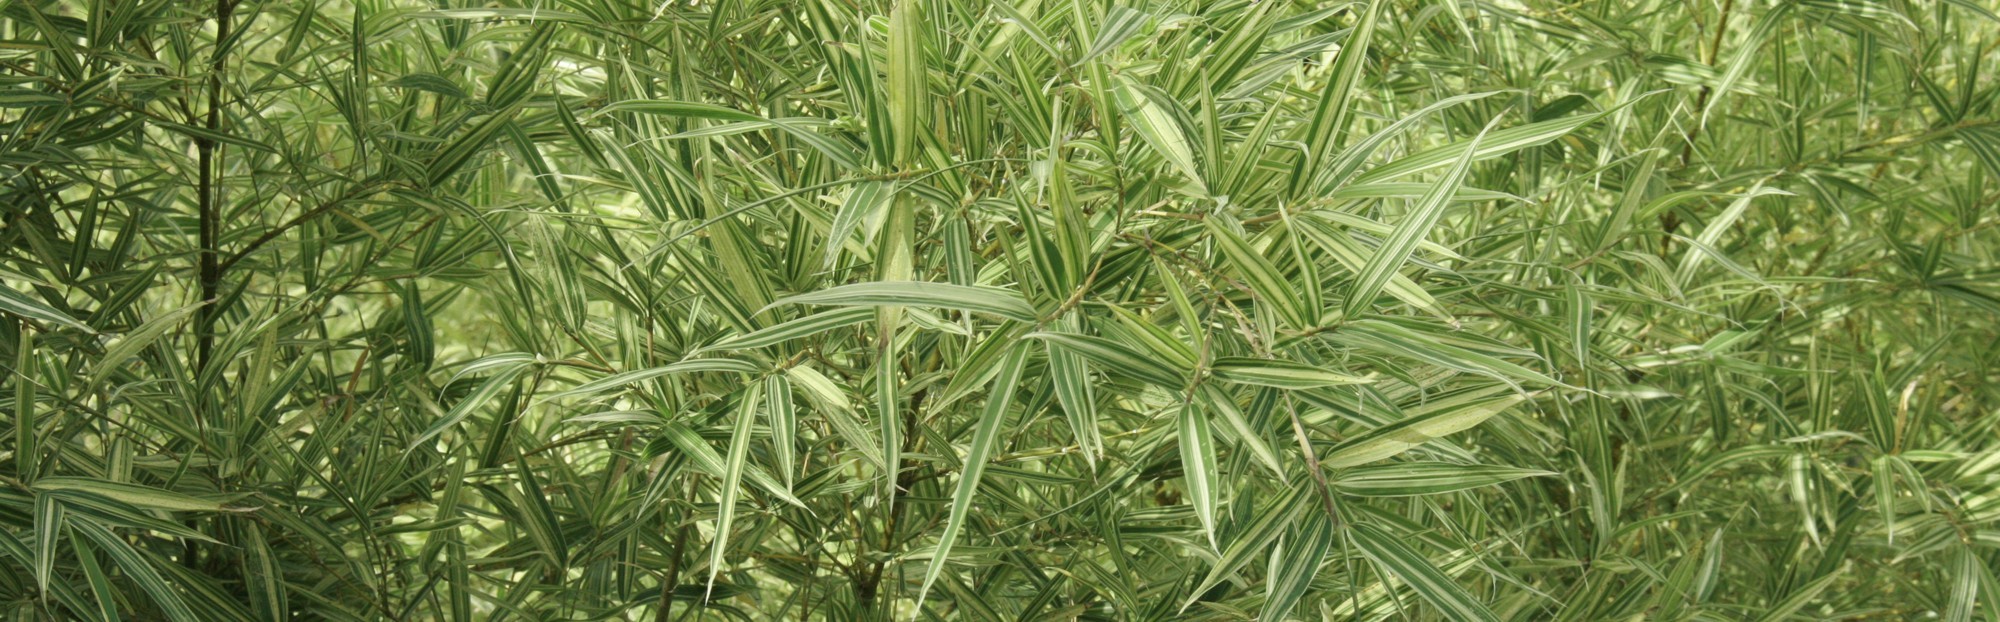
908,84
504,367
1387,551
1395,250
1254,539
732,477
145,497
1247,435
802,131
1278,373
977,455
1799,598
1426,478
1071,377
48,533
138,569
694,366
865,204
20,305
1114,357
1431,345
133,342
969,298
784,422
1718,226
795,329
1747,52
1293,565
1488,144
1198,467
447,161
1335,105
1442,417
1157,127
705,458
1273,291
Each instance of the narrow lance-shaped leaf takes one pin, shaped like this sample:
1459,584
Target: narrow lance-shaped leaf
27,429
795,329
1352,255
1294,563
1273,291
1490,144
984,436
1431,347
1336,103
137,495
1800,597
48,533
833,405
505,367
1395,250
970,298
1278,373
732,477
1716,228
1251,540
909,91
1115,357
705,458
1426,478
1198,470
138,568
1966,572
895,267
1334,180
801,131
1157,128
615,381
1387,551
1071,377
136,341
467,145
1247,435
1442,418
19,304
865,203
1746,52
784,423
536,515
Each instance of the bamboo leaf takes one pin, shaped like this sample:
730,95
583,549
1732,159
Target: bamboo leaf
976,457
1395,250
138,568
1278,373
1198,466
1433,421
1157,128
20,305
1426,478
1271,287
623,379
800,328
1388,552
136,495
732,477
969,298
1115,357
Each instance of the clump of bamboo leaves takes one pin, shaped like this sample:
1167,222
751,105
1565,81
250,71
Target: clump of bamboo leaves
1010,310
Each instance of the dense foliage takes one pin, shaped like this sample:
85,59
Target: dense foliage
1036,309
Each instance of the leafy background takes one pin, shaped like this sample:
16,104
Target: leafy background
1398,309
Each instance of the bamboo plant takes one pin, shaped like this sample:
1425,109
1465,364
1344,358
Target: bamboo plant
1011,310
